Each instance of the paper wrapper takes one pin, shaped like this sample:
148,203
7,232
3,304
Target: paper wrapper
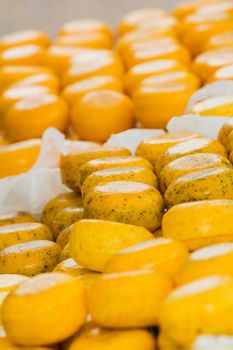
32,190
131,138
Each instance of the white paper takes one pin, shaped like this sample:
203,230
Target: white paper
131,138
205,126
30,191
217,88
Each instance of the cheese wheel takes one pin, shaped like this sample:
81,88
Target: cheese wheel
85,40
96,338
161,254
29,258
9,217
128,202
199,145
25,37
134,173
66,217
115,300
75,91
190,164
196,308
71,163
24,232
28,55
212,260
216,183
92,242
58,295
112,162
199,224
57,203
219,106
152,147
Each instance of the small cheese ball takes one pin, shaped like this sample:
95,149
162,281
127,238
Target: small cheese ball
212,260
196,308
208,62
9,281
128,202
136,18
92,242
30,117
216,183
161,254
148,99
224,39
116,300
214,342
25,37
16,93
92,63
152,147
190,164
72,162
95,338
112,162
199,145
69,266
57,203
223,73
11,74
224,133
75,91
65,254
9,217
29,55
57,294
66,217
30,258
86,40
85,26
151,68
218,106
58,58
46,79
199,224
133,173
110,108
24,232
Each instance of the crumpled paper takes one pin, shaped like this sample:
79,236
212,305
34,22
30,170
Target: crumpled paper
204,126
131,138
30,191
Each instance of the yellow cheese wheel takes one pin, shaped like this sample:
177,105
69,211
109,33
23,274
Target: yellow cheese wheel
57,203
162,254
128,202
71,163
115,300
134,173
56,294
199,145
92,242
29,258
152,147
199,224
24,232
212,260
196,308
216,183
190,164
112,162
25,37
9,217
96,338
